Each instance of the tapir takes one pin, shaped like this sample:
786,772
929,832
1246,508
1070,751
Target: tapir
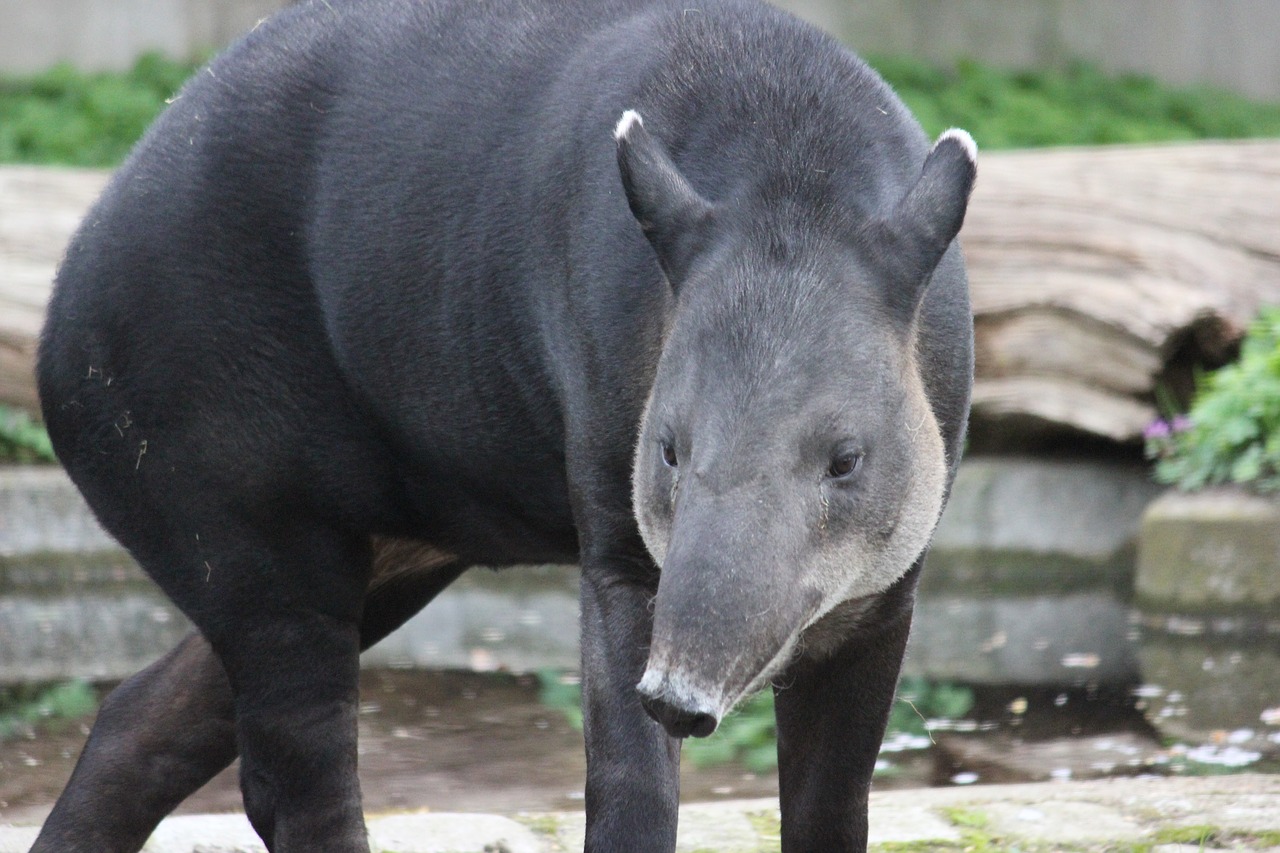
396,288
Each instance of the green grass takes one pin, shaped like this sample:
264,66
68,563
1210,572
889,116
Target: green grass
22,439
69,118
66,117
1079,106
25,708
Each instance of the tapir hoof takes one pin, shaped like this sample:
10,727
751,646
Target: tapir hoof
680,717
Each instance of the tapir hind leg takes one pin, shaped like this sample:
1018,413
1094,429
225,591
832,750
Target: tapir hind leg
158,737
170,728
831,716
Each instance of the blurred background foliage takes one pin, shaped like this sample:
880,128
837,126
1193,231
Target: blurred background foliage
1232,432
749,735
70,118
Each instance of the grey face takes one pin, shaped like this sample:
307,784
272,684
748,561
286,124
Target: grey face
788,459
788,462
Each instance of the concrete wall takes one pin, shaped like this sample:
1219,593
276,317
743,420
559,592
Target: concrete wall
1228,43
110,34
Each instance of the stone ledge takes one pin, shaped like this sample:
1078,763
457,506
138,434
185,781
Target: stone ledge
1214,550
1074,816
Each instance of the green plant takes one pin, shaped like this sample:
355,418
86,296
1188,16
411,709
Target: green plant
22,439
67,117
70,118
24,708
1232,432
920,700
563,693
750,734
1077,106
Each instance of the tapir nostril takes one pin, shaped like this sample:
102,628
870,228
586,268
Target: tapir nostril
677,720
702,725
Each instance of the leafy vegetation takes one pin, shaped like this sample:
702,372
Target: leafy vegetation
749,735
22,439
24,708
1078,106
70,118
1232,432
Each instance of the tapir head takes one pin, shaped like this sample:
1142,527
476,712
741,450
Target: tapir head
788,459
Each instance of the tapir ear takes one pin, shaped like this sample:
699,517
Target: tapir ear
929,217
670,211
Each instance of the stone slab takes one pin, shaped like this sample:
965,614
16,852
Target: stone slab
17,839
41,512
451,833
1061,821
230,833
1073,816
1090,510
1212,550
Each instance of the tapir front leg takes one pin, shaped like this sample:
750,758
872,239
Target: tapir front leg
633,767
831,719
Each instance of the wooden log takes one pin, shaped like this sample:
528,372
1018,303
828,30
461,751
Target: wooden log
1097,273
39,209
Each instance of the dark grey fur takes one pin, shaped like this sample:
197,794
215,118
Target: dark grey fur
380,298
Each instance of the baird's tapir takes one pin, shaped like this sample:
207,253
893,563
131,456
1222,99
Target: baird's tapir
400,287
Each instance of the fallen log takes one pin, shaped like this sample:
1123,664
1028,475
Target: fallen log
39,208
1102,274
1098,275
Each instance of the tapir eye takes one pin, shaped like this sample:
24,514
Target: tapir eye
669,454
844,465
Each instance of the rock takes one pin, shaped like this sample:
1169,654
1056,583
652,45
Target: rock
17,839
39,209
1211,551
229,833
1062,822
450,833
1086,510
731,827
41,512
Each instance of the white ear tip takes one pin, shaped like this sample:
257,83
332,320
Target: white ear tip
966,142
624,125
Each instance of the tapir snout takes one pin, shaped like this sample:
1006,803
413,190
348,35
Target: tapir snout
729,608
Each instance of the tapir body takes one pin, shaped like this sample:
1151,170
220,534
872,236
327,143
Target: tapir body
399,287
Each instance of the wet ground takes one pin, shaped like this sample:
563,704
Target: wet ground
485,742
446,741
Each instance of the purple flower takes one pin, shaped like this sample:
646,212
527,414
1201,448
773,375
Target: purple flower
1181,423
1155,430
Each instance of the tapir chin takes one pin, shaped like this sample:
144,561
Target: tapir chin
395,288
